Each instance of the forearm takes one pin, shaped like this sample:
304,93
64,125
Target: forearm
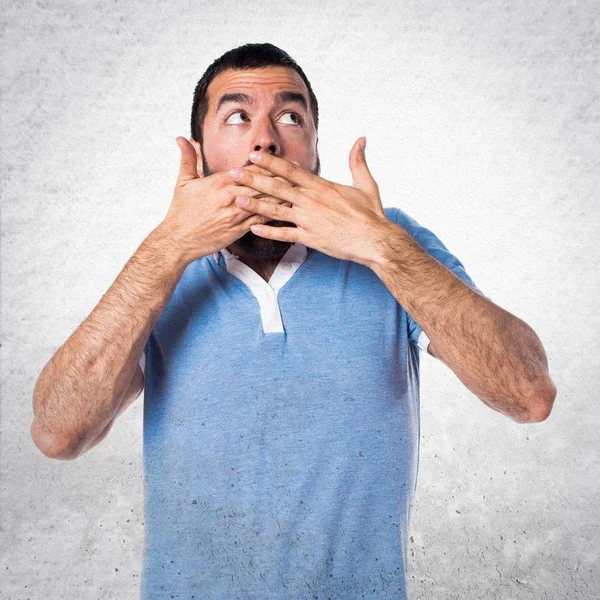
81,388
495,354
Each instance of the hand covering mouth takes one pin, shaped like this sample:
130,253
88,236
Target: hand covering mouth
279,201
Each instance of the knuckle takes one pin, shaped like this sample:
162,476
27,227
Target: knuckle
277,210
259,170
290,170
255,220
219,180
232,213
224,201
275,188
280,187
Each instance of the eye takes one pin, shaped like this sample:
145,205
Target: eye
298,118
237,112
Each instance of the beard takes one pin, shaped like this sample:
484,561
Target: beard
252,244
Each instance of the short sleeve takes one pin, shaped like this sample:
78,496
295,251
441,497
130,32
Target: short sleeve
144,355
436,248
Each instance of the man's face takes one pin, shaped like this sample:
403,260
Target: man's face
279,125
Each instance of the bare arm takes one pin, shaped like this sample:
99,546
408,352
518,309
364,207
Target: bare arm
83,387
92,378
494,353
133,391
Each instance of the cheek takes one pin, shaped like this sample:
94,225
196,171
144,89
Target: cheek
301,147
225,156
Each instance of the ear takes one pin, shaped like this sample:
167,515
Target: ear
199,166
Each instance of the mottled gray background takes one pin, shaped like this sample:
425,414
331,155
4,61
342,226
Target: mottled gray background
482,121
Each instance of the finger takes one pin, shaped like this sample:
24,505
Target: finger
273,210
247,218
251,221
225,178
264,195
270,186
245,212
187,167
261,171
291,171
199,162
271,199
361,175
242,190
284,234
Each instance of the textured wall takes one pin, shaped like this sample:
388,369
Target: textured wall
482,121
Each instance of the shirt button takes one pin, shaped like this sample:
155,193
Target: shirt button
287,267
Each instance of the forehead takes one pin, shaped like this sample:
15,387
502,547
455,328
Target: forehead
260,83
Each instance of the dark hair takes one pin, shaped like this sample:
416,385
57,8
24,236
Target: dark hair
248,56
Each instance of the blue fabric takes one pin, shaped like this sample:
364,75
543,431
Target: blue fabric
282,465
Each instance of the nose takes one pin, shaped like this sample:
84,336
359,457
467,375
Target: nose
265,137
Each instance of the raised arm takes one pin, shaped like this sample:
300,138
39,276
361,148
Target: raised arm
91,379
81,389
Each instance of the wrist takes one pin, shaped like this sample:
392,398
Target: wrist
162,239
381,250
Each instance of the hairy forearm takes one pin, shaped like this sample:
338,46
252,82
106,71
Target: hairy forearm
493,353
80,389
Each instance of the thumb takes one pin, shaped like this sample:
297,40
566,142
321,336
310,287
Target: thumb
361,176
187,168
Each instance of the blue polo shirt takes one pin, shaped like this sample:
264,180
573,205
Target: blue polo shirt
281,430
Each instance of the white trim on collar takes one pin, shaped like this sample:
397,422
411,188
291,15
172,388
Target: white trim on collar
266,292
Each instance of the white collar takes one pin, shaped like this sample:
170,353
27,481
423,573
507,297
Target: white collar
266,292
294,257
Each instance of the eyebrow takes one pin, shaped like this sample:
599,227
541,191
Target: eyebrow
280,98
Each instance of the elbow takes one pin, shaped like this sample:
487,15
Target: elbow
49,445
540,408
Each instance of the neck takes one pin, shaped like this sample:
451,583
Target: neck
249,259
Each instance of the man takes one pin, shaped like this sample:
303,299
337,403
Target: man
280,340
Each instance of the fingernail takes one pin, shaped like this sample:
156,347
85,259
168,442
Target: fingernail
242,200
235,173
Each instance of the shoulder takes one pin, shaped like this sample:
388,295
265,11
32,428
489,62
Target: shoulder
397,215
